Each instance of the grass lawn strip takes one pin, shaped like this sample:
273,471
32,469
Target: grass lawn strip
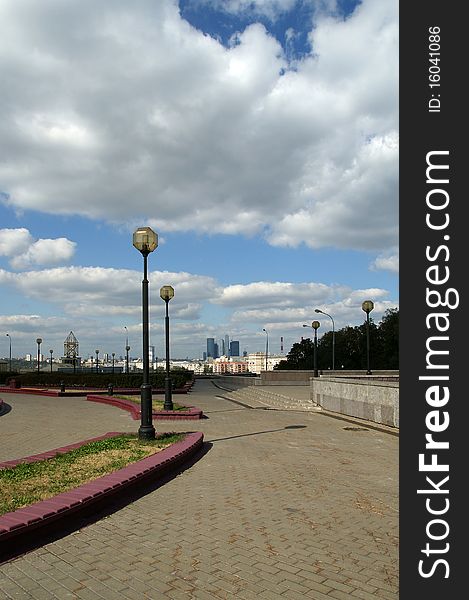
27,483
156,404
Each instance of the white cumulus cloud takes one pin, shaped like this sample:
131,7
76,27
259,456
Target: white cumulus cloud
124,112
23,252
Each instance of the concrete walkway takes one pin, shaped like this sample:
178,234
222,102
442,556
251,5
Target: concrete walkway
284,505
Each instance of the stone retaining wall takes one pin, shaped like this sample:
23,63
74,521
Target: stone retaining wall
375,400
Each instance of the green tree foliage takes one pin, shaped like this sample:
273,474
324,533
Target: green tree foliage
350,347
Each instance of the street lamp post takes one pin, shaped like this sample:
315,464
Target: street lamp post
9,337
367,307
145,240
333,334
39,342
166,294
113,355
315,325
266,347
51,353
127,348
97,361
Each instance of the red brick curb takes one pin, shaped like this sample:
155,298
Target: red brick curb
47,513
83,392
192,412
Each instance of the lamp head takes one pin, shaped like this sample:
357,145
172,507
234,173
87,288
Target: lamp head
315,324
39,341
166,293
145,240
317,310
367,306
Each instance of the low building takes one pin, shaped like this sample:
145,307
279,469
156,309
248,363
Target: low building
230,364
256,361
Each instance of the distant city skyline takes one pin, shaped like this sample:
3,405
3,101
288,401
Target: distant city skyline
258,139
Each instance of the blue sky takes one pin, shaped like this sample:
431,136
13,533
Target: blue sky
259,139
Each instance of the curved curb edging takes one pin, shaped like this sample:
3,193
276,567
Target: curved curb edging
192,412
80,392
46,513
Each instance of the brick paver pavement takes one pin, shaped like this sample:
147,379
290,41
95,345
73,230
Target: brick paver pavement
284,505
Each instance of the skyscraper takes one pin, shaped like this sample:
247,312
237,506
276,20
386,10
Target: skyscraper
227,345
210,348
234,348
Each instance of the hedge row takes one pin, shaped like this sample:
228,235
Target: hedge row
98,380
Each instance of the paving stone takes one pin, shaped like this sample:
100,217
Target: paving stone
266,512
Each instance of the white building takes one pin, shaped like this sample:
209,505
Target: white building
256,361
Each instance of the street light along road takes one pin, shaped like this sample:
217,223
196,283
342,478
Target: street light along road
166,294
145,240
266,347
367,307
318,310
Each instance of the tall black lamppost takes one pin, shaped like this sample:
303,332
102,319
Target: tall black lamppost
166,294
315,325
113,355
39,342
9,337
51,353
318,310
127,348
367,307
97,361
145,240
266,347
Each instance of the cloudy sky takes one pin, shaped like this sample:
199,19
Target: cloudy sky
258,138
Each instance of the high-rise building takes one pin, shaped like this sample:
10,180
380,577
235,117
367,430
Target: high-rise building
227,345
210,348
222,348
216,353
234,348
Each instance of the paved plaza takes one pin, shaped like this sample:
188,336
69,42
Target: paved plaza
283,505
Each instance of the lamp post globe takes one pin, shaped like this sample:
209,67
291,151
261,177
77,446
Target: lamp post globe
38,342
145,240
166,294
367,307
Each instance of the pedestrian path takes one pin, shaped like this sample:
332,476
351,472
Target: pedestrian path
283,505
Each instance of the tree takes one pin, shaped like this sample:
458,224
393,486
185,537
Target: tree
299,358
350,347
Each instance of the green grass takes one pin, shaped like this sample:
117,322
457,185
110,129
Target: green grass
156,404
27,483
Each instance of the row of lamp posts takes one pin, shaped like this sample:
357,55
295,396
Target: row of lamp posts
146,241
367,307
